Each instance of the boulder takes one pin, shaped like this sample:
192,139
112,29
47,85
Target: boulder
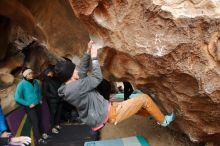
167,48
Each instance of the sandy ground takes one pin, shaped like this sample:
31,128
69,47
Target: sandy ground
137,125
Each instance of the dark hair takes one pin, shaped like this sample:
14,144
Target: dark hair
23,69
67,59
64,70
49,68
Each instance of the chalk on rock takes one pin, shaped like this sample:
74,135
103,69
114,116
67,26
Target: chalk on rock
98,41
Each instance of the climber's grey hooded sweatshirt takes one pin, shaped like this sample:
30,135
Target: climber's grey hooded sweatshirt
91,106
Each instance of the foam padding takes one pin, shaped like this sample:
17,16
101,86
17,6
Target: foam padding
129,141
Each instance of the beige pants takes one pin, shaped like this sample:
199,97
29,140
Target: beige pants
141,105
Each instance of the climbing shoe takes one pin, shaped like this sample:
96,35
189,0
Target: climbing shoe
46,136
42,141
58,127
55,131
168,119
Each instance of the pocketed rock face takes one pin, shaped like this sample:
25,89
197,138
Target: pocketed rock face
169,49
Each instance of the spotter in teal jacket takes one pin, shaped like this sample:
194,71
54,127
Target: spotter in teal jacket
27,93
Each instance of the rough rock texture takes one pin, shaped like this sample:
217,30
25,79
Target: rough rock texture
51,22
166,48
35,33
169,49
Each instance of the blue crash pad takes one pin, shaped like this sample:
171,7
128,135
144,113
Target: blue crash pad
120,96
129,141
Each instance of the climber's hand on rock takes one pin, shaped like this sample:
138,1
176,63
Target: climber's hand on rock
94,51
89,46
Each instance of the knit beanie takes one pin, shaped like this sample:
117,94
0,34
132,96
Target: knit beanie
64,70
26,72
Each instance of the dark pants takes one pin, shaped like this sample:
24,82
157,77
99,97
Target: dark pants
55,112
104,88
128,89
67,112
34,116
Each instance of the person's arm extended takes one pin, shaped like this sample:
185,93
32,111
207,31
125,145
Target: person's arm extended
91,82
84,65
19,95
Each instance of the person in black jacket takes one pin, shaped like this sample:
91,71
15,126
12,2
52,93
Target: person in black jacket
49,90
